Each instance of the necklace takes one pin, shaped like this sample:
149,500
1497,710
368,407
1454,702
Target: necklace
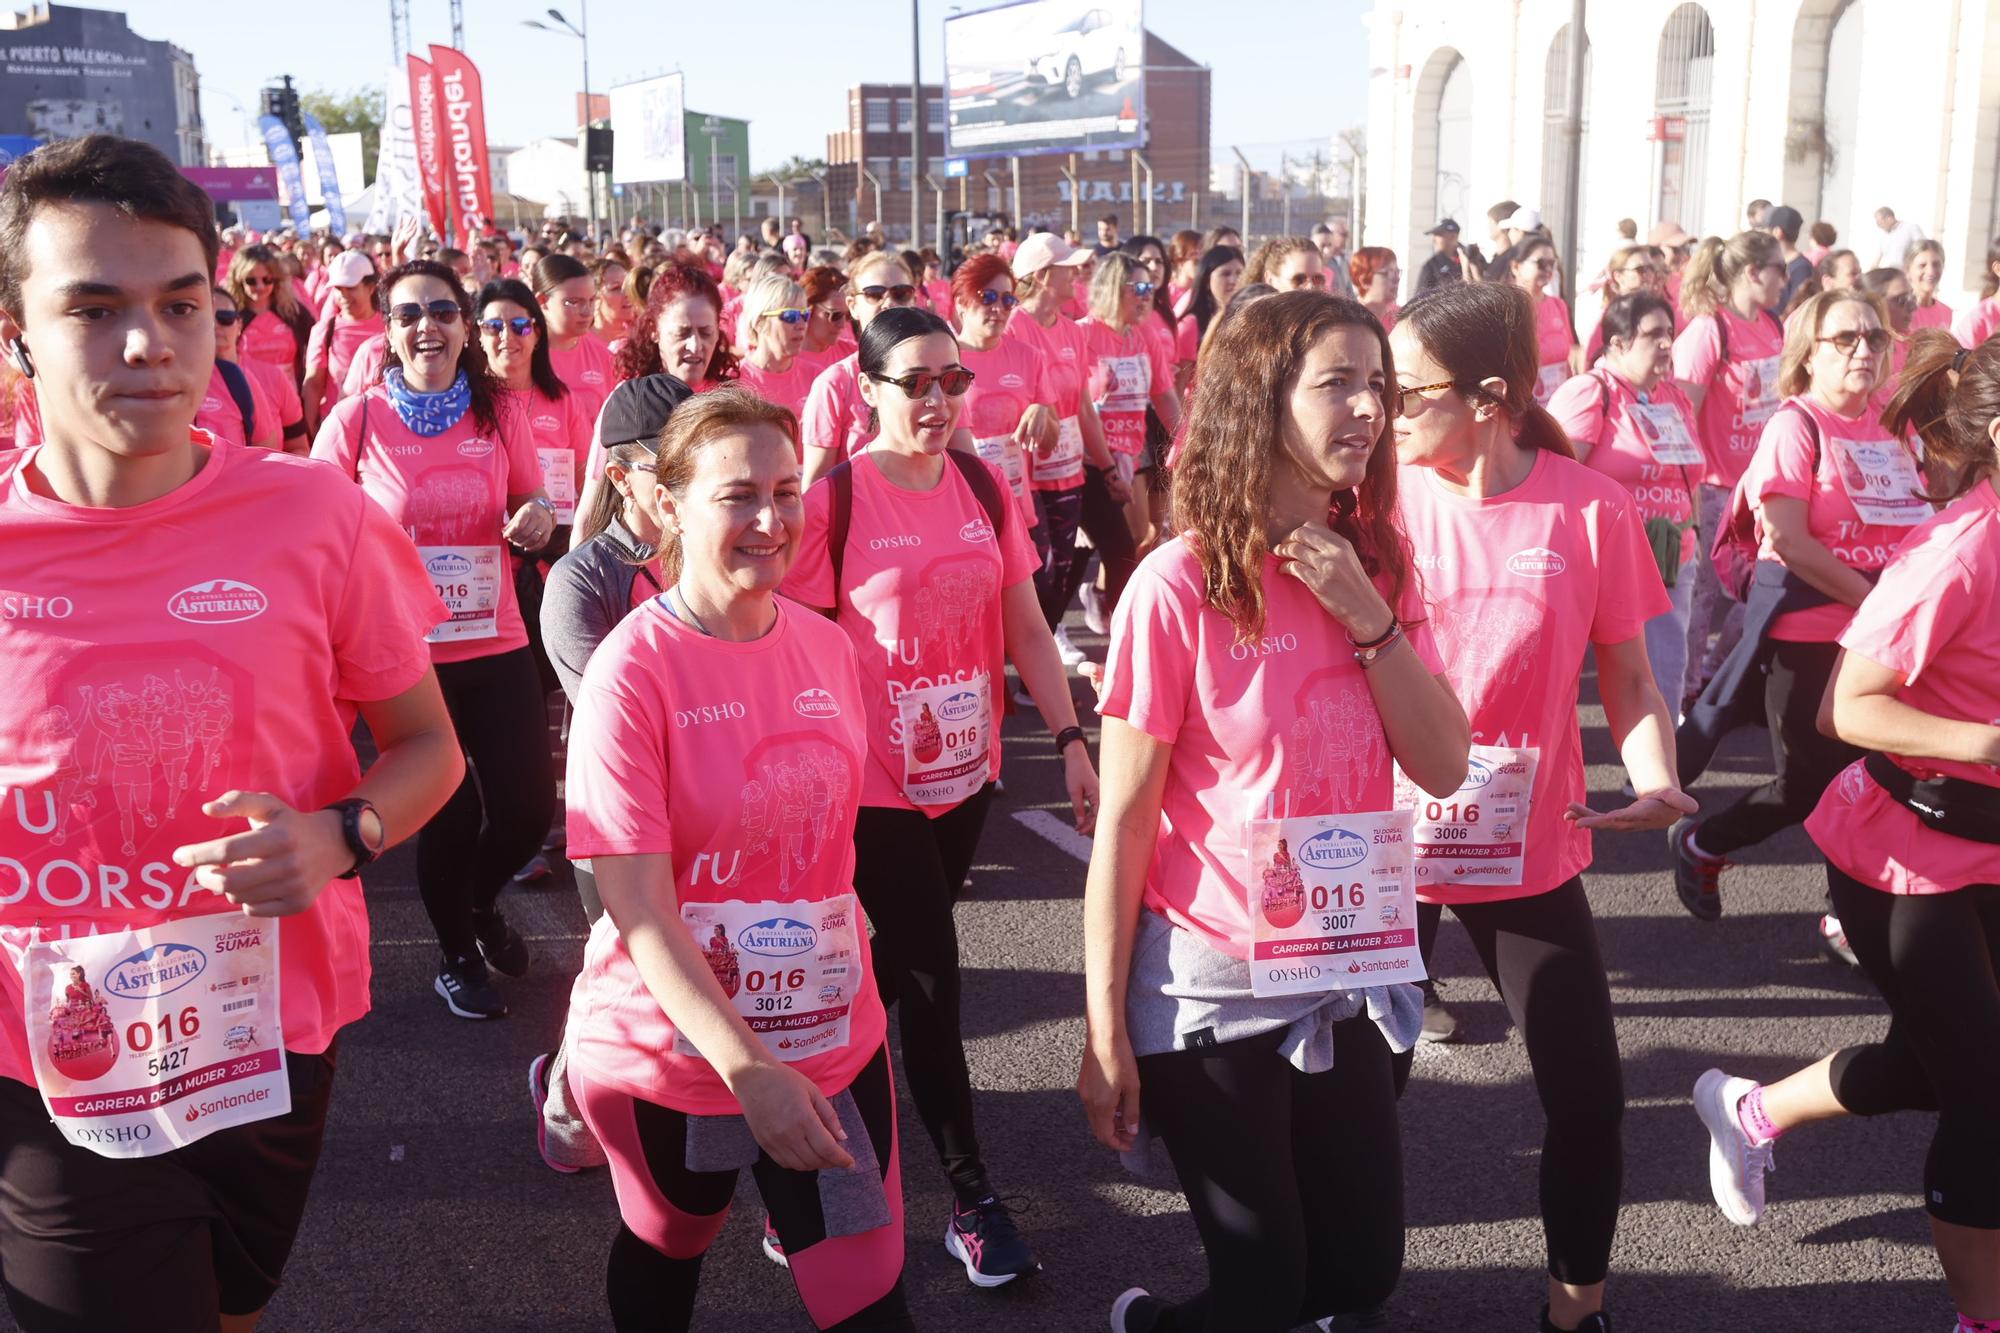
687,613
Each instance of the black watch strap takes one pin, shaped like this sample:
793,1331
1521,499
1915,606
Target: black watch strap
1068,734
350,811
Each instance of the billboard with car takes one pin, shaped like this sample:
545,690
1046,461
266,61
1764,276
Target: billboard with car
1045,76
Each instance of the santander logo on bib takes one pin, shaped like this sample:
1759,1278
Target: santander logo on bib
1537,562
978,530
218,602
474,448
815,703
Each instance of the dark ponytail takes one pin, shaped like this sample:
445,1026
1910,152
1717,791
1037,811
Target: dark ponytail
1486,330
890,329
1949,396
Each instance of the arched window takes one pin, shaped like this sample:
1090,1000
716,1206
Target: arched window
1555,115
1826,65
1441,158
1681,98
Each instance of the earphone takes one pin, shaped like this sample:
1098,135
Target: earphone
26,363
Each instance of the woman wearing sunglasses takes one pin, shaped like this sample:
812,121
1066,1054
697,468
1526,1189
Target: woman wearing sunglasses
1833,496
278,418
1531,266
438,445
830,331
836,424
1158,322
514,336
1007,417
276,327
567,295
773,324
936,564
1128,372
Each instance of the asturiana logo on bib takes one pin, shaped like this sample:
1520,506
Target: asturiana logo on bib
1334,849
450,565
218,602
957,707
815,703
1477,774
151,973
474,448
778,937
978,530
1537,562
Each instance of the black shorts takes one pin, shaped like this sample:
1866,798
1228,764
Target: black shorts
91,1243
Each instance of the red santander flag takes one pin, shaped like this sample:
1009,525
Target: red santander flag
427,119
468,173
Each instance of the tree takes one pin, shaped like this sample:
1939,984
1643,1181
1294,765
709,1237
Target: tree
793,168
357,111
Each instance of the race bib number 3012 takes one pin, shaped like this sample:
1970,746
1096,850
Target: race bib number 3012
1330,903
790,969
145,1041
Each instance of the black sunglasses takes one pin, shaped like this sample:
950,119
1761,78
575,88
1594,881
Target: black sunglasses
409,313
917,384
901,294
227,317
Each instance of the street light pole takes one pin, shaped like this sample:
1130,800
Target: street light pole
580,33
917,172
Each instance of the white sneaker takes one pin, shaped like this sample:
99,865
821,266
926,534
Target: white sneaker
1071,655
1123,1305
1736,1166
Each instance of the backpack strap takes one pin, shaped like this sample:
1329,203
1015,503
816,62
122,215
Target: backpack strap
841,519
239,389
1812,429
980,481
1722,333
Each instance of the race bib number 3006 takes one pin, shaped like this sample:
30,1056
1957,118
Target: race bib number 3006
148,1040
1330,903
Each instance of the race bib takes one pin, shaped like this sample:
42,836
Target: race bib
1667,434
947,740
790,969
145,1041
1881,480
1330,903
1002,452
559,480
1475,836
467,579
1064,463
1550,379
1760,396
1122,408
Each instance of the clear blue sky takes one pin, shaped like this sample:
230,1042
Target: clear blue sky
1284,70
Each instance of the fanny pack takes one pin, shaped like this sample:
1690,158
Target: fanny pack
1963,809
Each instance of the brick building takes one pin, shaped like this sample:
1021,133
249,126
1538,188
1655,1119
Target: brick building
877,137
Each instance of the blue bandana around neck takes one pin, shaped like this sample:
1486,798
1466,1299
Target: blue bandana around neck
429,413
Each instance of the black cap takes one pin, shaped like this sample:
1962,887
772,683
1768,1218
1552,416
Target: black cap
638,409
1444,227
1786,219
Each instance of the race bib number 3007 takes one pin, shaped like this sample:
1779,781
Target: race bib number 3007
145,1041
1330,903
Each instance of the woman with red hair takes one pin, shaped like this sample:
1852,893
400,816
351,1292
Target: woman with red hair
1007,410
680,332
830,331
1375,273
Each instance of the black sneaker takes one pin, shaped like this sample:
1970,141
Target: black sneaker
500,944
467,990
984,1239
1697,875
1440,1024
1135,1311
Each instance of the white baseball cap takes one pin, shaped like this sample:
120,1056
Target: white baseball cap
1524,219
349,268
1045,249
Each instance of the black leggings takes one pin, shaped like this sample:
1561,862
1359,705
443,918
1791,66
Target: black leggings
1806,762
1541,953
500,813
650,1290
908,870
1935,958
1102,519
1055,542
1295,1180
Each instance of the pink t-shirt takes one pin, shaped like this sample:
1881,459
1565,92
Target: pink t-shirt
740,762
219,413
278,390
726,320
1123,372
1936,315
1931,620
1783,465
1520,585
449,493
1187,340
562,434
1742,394
1553,339
1623,430
347,338
269,339
1280,728
920,599
586,371
1064,351
1006,380
365,370
836,418
248,612
787,388
1975,324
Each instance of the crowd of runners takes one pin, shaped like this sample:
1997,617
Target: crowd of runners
772,520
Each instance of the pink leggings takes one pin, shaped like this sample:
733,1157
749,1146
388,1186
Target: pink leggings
671,1215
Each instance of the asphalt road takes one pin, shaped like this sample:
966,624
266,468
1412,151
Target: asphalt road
431,1210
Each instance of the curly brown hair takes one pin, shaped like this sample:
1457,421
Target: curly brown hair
1222,483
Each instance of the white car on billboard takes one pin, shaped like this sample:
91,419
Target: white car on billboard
1089,47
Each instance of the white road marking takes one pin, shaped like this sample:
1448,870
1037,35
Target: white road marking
1058,831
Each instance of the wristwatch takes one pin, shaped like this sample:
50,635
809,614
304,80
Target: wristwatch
361,825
